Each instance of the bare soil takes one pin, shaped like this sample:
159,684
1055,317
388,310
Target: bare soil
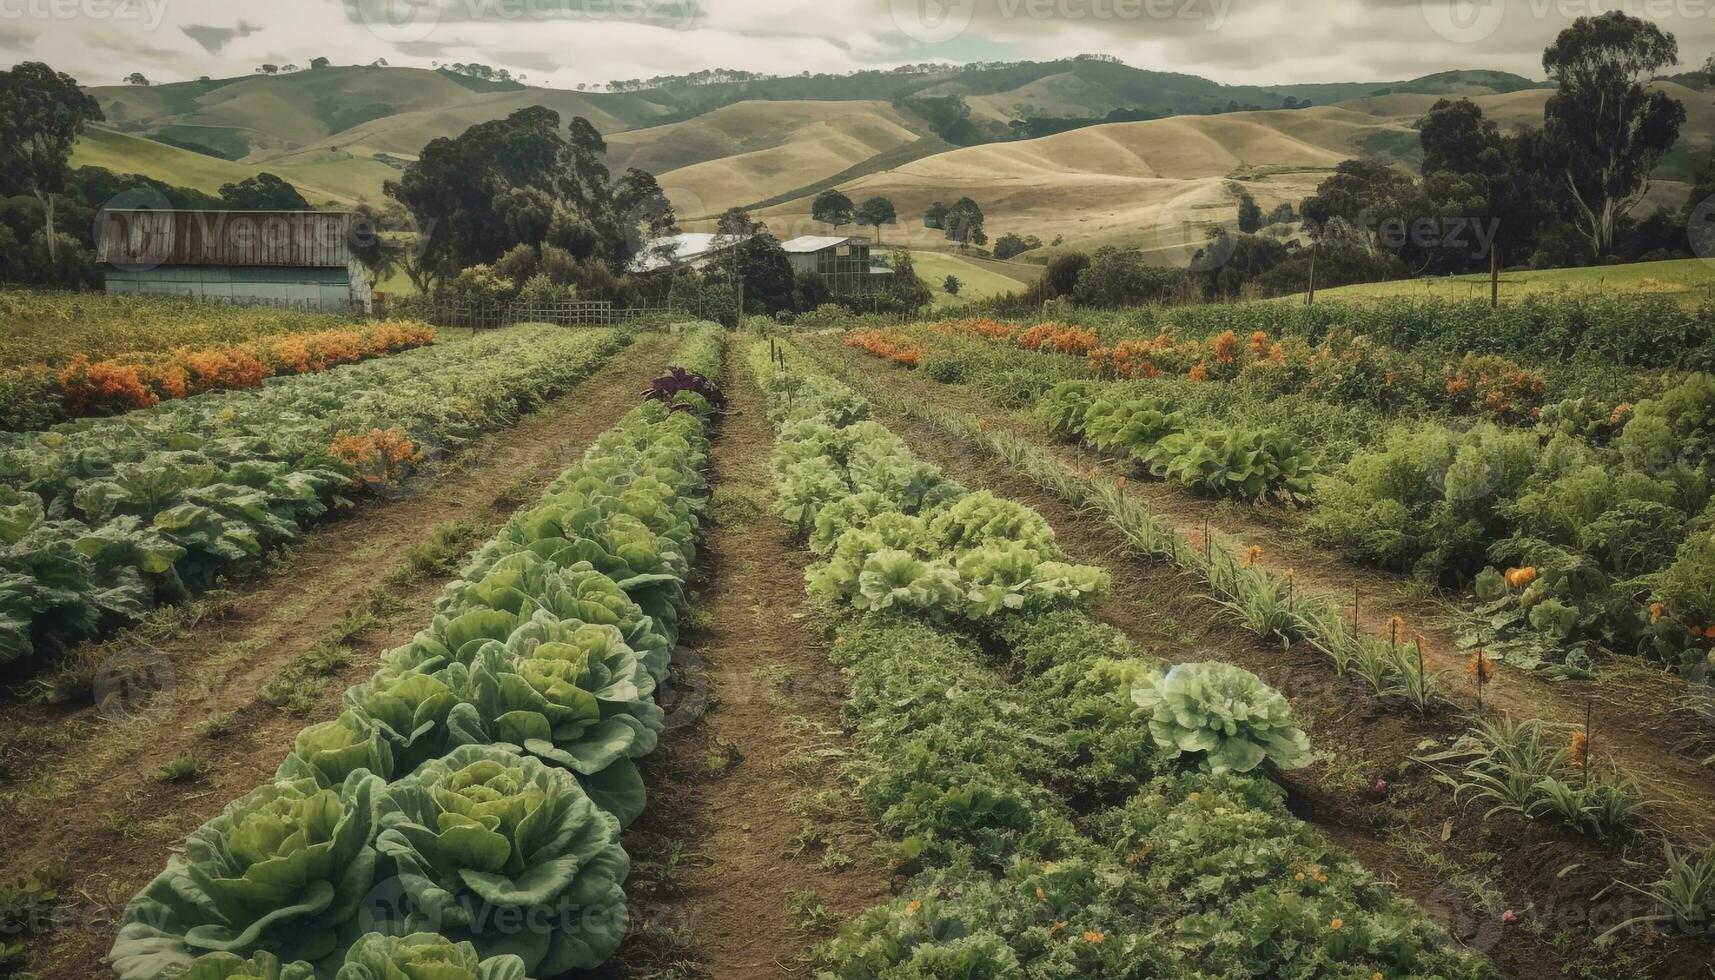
750,796
101,813
1463,870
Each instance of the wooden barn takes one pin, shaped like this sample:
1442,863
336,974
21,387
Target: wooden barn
297,259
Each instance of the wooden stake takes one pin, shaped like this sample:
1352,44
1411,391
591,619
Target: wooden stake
1587,742
1494,276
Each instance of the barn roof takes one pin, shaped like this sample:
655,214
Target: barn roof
817,243
280,239
677,250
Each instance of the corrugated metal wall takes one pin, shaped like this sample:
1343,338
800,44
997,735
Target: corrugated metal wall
277,239
325,289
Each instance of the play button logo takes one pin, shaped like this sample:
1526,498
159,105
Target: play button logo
932,21
1464,21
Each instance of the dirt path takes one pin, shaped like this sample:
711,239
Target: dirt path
1464,871
104,816
1635,723
752,793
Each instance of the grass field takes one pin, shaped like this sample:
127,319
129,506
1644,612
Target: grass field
1691,281
978,281
341,180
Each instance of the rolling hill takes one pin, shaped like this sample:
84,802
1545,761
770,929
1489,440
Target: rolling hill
1161,183
740,154
773,143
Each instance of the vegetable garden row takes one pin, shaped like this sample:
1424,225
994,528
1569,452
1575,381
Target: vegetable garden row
102,519
1581,527
461,818
1061,805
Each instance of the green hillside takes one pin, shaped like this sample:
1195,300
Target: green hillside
261,119
332,181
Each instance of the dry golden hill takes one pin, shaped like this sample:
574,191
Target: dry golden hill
752,151
1161,184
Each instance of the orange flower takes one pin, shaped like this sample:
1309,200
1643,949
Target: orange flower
1657,610
1199,373
1253,555
1621,410
1580,749
1337,924
1059,338
377,456
1095,937
913,907
1481,669
1520,578
1226,348
1394,627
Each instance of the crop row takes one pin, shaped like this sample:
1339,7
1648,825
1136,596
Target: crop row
1342,367
1271,607
102,519
461,818
38,397
1062,806
50,328
1604,514
1599,333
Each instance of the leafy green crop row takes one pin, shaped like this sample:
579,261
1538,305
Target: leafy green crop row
461,818
1270,607
1608,511
1088,817
101,519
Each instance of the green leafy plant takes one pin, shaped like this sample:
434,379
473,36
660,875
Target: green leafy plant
1246,464
483,837
1223,717
424,956
283,869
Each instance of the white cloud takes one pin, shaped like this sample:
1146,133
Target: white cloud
564,42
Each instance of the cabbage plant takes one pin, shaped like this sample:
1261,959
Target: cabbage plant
262,966
424,956
581,700
510,855
1223,715
282,869
408,709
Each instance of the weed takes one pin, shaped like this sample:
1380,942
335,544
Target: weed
125,826
732,506
217,726
812,913
185,769
441,555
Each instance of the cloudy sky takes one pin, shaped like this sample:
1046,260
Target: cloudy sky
566,42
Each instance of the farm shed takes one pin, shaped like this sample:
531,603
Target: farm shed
844,262
297,259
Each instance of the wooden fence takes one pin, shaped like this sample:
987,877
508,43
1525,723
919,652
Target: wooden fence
492,315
